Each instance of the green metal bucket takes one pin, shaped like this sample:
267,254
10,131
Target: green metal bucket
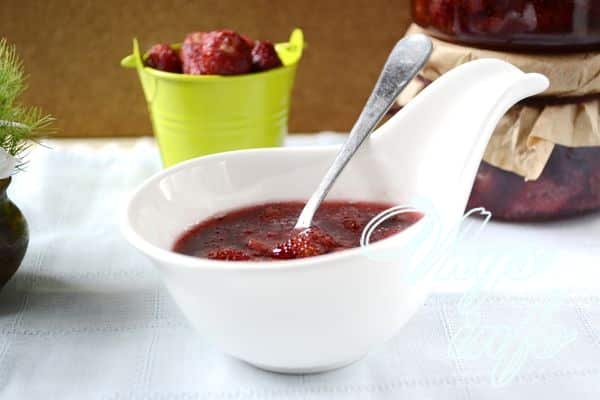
195,115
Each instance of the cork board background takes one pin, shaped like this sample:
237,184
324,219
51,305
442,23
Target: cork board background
72,49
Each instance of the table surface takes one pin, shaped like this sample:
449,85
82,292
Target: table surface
87,317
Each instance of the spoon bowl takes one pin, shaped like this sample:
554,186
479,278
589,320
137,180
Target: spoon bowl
319,313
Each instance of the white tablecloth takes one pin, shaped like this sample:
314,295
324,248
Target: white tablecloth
86,317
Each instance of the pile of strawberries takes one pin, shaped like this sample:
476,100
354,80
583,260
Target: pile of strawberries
223,52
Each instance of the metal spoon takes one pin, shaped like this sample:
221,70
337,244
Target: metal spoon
406,59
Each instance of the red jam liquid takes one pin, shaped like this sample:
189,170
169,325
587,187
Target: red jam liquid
266,232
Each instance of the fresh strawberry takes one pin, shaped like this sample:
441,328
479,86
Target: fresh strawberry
190,53
306,243
264,56
220,53
162,57
249,41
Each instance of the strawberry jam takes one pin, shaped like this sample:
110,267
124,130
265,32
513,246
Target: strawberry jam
266,232
523,25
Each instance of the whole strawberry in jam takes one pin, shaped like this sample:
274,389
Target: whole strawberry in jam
264,56
306,243
162,57
222,53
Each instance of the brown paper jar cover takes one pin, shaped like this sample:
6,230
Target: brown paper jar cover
543,159
524,25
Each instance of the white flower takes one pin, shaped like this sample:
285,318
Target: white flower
7,164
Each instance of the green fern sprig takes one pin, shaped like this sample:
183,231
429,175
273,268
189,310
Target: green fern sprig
19,125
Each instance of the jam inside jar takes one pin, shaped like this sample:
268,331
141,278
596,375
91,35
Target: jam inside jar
513,25
568,186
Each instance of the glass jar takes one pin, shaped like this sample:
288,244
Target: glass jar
514,25
568,186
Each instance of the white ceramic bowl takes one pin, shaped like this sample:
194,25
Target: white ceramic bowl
320,313
295,316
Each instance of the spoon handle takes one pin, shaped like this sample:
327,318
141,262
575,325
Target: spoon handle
406,59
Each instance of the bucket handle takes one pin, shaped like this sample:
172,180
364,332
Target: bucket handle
291,51
133,60
136,61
